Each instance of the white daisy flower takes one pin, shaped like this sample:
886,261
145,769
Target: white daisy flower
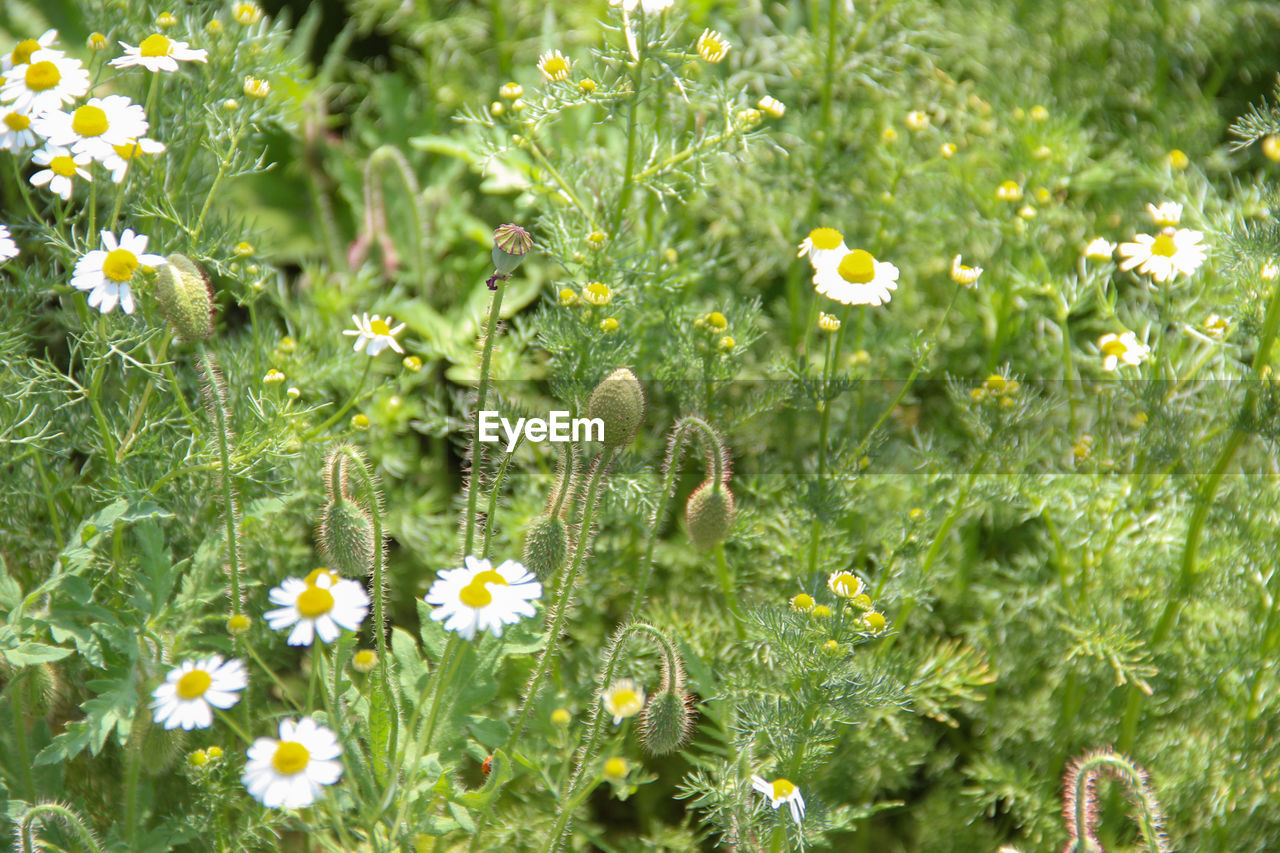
8,248
480,597
159,53
22,51
288,773
856,279
845,584
122,155
191,691
622,699
61,166
106,273
1167,214
319,605
781,791
823,245
46,82
647,6
1124,347
1165,255
15,131
96,127
1099,249
375,332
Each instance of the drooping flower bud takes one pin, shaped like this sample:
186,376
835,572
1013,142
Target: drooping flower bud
667,722
346,537
545,546
510,244
185,298
708,515
618,401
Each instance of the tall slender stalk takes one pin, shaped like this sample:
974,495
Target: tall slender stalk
482,391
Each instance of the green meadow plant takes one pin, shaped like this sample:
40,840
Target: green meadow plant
926,359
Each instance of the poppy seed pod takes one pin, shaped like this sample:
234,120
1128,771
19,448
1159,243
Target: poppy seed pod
510,244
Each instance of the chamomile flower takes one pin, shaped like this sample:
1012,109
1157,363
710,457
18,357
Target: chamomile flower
122,155
1164,256
1165,214
649,7
554,66
823,245
712,46
961,274
480,597
95,127
61,166
781,791
191,691
772,106
288,773
22,51
15,131
158,52
845,584
1122,348
622,699
319,605
45,82
374,332
1099,249
8,248
107,272
856,278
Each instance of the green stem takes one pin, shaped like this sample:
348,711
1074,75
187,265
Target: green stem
561,612
482,391
217,408
493,497
824,425
141,408
351,402
1204,503
133,776
69,819
629,177
234,726
725,576
18,710
223,163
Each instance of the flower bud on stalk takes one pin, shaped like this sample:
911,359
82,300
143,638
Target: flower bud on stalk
510,244
618,401
185,298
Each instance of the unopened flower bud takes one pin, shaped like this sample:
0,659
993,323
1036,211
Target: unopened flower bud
545,545
185,298
708,515
618,401
346,537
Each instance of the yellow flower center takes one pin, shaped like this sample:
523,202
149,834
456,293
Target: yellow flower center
127,150
555,66
194,684
155,45
17,121
1114,347
380,327
1165,246
825,238
120,263
783,788
291,757
313,579
844,584
89,121
42,76
476,594
615,767
22,51
314,602
624,698
858,267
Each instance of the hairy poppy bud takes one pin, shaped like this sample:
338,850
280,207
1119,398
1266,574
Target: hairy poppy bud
708,515
544,546
618,401
185,298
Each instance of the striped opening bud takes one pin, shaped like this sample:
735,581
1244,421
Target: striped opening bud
510,244
618,401
185,298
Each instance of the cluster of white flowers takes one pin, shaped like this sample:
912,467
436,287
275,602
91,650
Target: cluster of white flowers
40,88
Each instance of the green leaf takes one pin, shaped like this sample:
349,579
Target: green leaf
500,772
382,723
463,817
410,665
488,731
30,654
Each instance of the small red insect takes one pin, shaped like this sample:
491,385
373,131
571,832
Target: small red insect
487,765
